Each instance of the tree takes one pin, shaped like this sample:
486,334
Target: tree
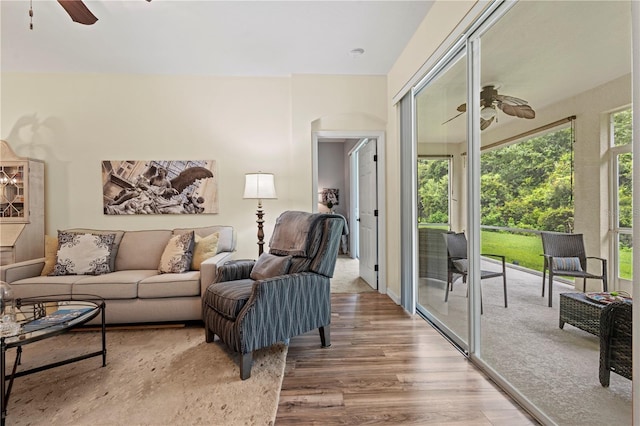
529,184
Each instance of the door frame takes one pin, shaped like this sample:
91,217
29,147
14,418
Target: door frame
381,187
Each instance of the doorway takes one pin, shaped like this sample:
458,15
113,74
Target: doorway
336,167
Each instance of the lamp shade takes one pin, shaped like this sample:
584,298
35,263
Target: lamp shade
259,185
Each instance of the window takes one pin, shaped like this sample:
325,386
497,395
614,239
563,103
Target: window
621,179
433,191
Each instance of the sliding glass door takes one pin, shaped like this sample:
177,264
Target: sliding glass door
438,122
521,112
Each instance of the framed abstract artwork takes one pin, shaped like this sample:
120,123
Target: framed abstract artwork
159,187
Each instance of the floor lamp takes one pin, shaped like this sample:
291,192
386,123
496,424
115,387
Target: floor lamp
259,186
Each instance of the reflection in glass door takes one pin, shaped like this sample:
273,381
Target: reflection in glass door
441,137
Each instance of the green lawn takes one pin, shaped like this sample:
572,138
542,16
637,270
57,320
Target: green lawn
523,250
626,269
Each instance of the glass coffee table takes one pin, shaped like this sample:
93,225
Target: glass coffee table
36,324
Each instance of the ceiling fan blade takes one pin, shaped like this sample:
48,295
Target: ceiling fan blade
510,100
520,111
485,123
455,116
78,11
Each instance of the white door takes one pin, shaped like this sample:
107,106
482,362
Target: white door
367,213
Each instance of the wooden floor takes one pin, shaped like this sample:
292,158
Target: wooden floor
386,367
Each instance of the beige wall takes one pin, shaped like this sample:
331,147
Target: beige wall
73,122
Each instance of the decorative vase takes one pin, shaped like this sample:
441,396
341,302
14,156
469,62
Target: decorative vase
8,324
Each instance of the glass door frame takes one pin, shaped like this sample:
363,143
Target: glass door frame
469,44
618,283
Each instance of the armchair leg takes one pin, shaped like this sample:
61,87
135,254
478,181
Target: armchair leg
209,336
245,365
325,336
544,277
550,287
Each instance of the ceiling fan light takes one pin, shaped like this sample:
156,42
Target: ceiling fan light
488,112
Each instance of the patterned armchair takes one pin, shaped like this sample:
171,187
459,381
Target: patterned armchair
286,292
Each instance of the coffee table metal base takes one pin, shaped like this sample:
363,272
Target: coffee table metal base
5,390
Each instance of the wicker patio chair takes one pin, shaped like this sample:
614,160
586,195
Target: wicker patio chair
564,255
457,263
615,341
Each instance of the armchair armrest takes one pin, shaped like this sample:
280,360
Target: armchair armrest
21,270
235,270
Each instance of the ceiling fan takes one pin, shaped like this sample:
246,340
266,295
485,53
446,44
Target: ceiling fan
490,100
79,12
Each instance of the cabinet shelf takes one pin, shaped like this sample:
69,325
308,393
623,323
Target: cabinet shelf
21,207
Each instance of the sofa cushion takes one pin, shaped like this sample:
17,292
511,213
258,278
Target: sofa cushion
186,284
269,266
141,250
177,255
50,251
114,248
229,297
204,248
116,285
226,235
83,254
44,286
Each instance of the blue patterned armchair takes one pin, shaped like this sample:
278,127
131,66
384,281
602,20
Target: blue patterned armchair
284,293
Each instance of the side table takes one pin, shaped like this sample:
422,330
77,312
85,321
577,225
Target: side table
580,311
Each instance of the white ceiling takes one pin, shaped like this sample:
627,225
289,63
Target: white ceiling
246,38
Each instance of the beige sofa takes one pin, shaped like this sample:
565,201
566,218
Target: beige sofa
135,292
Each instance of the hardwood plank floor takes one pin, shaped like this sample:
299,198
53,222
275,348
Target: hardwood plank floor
386,367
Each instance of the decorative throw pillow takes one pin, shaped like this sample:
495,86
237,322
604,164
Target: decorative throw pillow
269,266
83,254
203,249
50,251
461,265
177,255
567,263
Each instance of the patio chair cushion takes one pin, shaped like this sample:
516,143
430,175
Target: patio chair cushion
567,263
461,265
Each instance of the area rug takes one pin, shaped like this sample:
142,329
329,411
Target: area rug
153,377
